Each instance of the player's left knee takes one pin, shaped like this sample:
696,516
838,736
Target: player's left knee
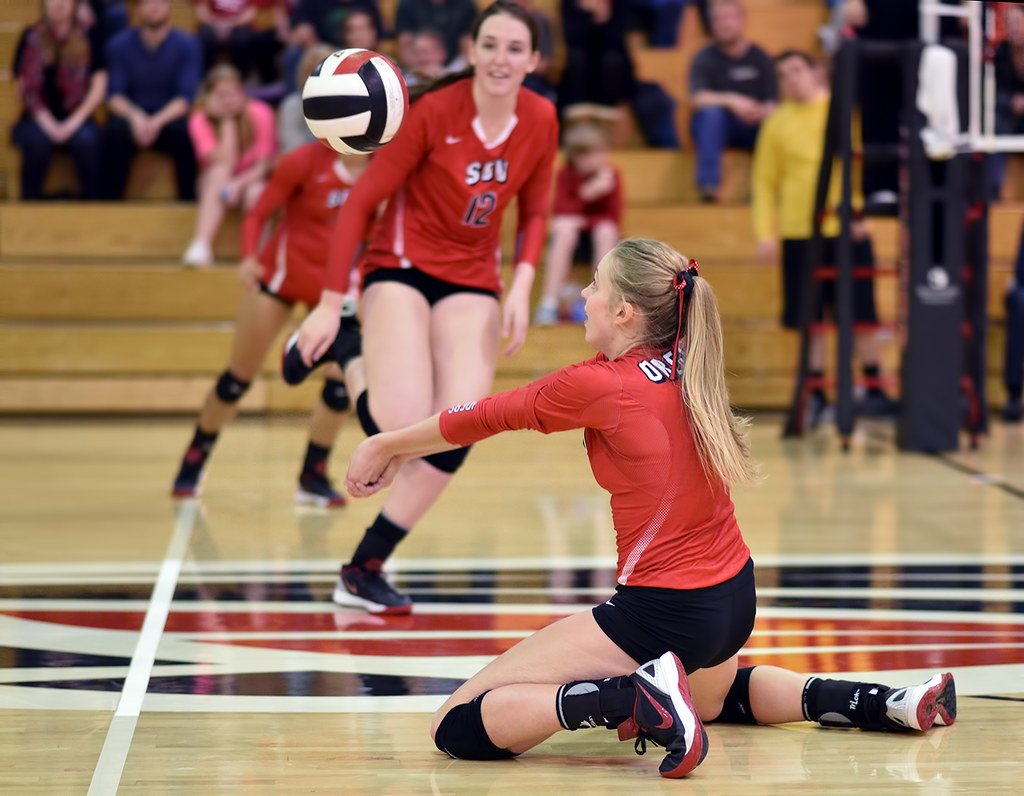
735,707
461,734
335,395
448,461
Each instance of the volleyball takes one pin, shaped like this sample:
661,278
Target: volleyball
354,101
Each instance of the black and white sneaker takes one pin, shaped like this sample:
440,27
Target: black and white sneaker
316,489
918,707
347,345
360,588
664,715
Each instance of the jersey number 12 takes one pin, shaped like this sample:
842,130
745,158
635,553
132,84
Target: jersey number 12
480,208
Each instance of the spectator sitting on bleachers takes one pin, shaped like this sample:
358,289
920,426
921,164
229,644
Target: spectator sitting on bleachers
322,22
588,201
598,72
360,30
154,72
292,130
228,35
452,19
235,141
428,59
732,88
1009,69
59,68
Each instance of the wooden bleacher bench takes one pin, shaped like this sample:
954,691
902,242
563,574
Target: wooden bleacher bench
96,315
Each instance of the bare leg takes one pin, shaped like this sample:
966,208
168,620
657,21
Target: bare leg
259,322
520,713
709,687
604,235
326,423
565,233
776,695
398,362
453,363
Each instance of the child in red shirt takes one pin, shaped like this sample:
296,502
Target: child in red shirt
588,204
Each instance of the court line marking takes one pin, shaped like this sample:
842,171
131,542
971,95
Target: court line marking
979,681
461,608
980,476
106,776
262,662
413,576
44,569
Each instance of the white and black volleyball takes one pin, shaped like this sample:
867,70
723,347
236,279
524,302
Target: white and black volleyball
354,101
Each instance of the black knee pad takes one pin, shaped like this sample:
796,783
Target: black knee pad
736,707
363,413
335,395
462,735
448,461
229,388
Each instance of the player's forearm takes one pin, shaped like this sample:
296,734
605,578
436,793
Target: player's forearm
419,439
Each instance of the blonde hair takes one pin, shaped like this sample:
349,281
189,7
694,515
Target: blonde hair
218,74
642,274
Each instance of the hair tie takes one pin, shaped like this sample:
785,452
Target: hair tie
682,283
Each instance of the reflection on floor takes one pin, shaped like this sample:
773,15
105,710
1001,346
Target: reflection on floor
270,630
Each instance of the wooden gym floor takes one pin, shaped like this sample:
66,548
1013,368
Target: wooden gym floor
151,648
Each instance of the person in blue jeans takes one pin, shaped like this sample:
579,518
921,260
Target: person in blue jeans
733,89
61,79
1013,369
154,71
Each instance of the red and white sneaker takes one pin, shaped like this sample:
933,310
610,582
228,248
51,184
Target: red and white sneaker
918,707
664,715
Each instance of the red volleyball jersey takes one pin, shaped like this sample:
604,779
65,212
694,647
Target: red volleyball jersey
675,526
311,184
448,189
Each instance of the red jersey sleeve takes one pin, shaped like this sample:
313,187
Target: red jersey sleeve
585,395
382,178
290,174
534,199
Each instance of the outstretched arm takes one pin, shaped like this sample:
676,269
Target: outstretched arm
577,396
376,460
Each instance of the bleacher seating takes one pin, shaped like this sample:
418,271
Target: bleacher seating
97,316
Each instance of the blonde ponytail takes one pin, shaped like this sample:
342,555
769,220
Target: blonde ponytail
720,435
644,275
